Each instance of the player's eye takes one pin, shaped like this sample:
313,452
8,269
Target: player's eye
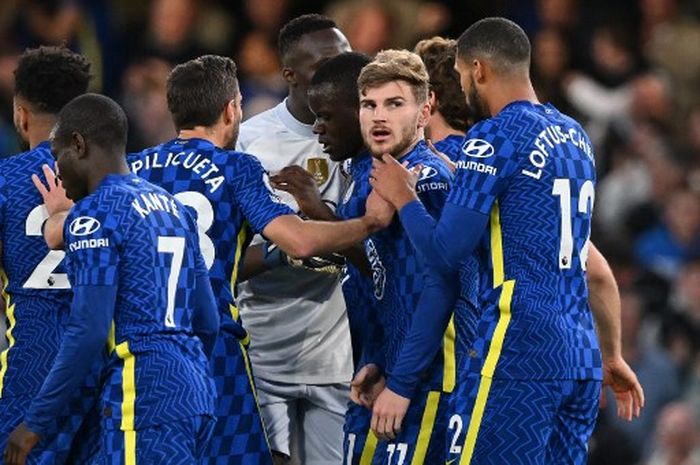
367,105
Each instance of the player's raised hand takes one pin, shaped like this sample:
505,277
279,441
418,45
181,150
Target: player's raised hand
629,395
366,385
302,185
53,193
388,414
19,444
394,181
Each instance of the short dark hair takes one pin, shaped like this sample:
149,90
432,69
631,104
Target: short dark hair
438,54
341,72
99,119
499,40
298,27
199,89
50,77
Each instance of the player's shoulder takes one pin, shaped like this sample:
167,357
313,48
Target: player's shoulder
28,160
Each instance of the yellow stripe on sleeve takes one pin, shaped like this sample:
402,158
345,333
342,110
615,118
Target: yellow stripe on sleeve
128,386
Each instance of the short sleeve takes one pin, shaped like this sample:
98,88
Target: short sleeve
486,164
259,203
92,247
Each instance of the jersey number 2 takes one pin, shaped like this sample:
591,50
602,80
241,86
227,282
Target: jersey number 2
562,189
43,276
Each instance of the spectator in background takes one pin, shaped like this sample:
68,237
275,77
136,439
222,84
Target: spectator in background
10,143
262,85
551,59
145,104
664,248
676,441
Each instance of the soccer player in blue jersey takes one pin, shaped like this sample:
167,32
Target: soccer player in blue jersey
333,98
522,200
230,193
36,290
141,289
449,118
394,109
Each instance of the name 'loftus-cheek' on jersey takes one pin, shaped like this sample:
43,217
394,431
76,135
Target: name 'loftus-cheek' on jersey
532,170
134,234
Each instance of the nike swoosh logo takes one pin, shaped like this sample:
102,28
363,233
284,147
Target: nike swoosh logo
450,462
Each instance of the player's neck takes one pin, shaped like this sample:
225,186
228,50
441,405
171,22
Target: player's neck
40,130
439,129
210,134
107,165
506,92
299,108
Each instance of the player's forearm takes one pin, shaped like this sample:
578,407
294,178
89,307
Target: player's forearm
53,230
425,336
85,336
302,239
604,300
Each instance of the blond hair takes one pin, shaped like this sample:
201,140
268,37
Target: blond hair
396,65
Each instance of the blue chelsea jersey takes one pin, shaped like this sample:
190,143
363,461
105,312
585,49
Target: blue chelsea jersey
231,198
133,234
531,169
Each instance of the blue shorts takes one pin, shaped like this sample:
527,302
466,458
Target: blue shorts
177,443
528,422
359,442
238,436
72,438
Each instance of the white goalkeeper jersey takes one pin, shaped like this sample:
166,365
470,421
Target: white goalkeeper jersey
296,318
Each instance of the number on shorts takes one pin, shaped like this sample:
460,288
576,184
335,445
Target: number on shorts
455,424
402,447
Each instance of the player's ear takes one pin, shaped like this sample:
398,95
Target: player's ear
432,100
22,118
229,112
78,144
425,112
289,75
479,71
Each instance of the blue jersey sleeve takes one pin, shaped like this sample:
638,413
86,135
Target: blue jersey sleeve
447,243
91,314
259,203
487,163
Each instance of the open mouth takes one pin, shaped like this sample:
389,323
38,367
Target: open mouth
380,134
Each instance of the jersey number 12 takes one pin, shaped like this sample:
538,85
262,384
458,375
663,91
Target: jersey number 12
562,189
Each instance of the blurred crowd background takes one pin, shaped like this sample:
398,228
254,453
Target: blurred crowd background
629,70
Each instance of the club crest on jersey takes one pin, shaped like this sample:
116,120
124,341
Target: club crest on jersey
318,167
426,173
84,226
478,148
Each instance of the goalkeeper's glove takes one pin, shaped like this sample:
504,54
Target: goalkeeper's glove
274,256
